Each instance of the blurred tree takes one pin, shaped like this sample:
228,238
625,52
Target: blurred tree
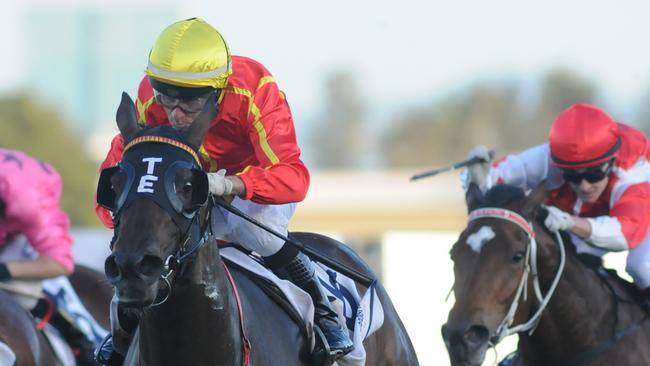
560,88
490,114
483,115
340,138
39,131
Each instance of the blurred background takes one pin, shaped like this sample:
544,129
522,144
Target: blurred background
379,90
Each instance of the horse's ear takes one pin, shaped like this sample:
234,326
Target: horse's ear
196,132
473,197
534,199
126,118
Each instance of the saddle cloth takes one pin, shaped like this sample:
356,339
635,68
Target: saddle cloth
362,315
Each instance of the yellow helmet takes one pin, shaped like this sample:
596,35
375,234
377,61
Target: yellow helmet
190,53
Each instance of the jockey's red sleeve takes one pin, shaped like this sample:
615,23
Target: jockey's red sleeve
281,176
112,158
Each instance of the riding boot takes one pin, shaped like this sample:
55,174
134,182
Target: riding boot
105,354
301,272
82,347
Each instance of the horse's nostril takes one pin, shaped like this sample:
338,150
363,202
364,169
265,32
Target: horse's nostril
476,336
150,266
111,268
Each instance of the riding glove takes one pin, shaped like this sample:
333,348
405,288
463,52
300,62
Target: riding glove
218,185
557,219
478,172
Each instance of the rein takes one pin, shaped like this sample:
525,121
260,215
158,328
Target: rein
505,328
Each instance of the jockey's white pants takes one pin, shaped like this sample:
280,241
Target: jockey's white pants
638,259
232,228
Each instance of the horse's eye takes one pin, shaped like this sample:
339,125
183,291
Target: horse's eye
187,187
518,256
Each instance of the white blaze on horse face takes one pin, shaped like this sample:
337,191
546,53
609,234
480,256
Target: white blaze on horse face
146,181
479,238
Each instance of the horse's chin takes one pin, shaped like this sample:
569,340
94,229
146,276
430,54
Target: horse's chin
136,297
474,358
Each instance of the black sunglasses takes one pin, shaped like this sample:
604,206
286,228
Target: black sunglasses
591,175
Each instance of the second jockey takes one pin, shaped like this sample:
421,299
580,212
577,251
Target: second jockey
598,177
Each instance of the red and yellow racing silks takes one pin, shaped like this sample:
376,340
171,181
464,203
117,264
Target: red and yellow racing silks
252,136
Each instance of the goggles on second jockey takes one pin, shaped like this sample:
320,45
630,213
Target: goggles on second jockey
192,105
591,174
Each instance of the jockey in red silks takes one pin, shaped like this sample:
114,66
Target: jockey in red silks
597,174
250,151
36,247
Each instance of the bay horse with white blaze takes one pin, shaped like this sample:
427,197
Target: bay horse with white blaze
513,276
166,266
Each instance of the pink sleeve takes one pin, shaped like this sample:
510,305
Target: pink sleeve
49,235
35,206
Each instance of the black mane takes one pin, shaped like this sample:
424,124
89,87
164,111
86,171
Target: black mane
503,194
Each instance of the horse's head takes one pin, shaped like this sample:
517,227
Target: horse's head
155,194
490,258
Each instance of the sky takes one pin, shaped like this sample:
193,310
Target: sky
409,52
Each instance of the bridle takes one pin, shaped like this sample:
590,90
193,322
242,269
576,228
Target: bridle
530,269
186,250
150,175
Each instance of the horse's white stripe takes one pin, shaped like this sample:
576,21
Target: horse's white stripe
479,238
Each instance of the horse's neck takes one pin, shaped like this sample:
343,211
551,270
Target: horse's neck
577,313
201,309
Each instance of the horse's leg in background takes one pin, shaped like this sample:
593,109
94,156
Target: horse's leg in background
94,291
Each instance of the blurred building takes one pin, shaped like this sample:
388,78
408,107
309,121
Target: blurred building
80,58
361,208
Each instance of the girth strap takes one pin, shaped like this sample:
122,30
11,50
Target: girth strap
245,341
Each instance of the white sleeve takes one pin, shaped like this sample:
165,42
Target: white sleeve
525,170
606,233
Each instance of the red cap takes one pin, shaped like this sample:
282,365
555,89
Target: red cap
583,136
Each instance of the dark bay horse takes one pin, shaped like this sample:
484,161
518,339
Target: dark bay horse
166,267
514,276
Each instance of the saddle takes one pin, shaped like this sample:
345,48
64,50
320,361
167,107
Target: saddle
363,314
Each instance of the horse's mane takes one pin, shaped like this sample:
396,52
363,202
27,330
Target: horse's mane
503,194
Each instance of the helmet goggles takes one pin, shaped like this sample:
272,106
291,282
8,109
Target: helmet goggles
188,105
591,174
